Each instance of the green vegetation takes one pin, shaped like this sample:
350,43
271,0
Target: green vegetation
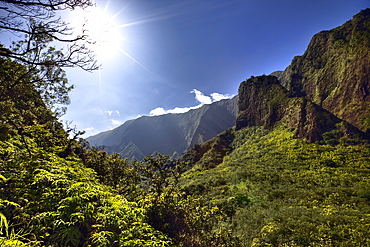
57,191
251,187
47,200
245,187
48,195
281,191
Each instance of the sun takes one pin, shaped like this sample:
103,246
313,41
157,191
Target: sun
105,32
104,36
102,29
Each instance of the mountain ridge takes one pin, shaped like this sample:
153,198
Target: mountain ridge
334,71
295,169
170,133
263,101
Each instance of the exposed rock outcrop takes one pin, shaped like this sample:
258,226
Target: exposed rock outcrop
264,102
334,72
261,101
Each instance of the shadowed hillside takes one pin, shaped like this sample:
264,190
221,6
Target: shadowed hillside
170,133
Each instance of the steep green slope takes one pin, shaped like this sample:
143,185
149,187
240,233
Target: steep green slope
334,72
281,191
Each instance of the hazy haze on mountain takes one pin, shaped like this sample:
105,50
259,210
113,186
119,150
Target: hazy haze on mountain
169,133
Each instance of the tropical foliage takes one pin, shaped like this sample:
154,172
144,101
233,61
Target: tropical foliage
281,191
55,190
48,196
245,187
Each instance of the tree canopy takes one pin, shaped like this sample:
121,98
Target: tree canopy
37,27
39,23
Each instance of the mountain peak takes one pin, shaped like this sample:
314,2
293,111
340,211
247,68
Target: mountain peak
334,71
169,133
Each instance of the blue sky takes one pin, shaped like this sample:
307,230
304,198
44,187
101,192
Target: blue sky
175,54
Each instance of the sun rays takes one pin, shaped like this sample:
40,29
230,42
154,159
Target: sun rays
103,32
105,27
113,37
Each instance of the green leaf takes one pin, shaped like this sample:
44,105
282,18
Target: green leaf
3,224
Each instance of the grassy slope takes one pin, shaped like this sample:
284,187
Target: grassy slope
280,191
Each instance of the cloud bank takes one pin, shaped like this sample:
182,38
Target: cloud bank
199,96
111,118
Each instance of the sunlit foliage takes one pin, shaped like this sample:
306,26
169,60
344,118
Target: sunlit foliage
280,191
48,197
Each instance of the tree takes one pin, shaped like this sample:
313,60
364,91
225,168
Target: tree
38,22
39,28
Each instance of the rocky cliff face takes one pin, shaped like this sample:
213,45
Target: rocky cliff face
334,72
264,102
261,101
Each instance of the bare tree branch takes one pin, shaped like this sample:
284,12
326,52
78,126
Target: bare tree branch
38,23
38,28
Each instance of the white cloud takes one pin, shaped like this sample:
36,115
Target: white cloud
157,111
160,111
218,97
183,110
89,129
116,122
199,96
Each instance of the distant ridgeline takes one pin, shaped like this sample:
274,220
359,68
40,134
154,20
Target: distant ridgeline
168,134
327,89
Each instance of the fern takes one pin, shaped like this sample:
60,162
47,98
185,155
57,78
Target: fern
3,225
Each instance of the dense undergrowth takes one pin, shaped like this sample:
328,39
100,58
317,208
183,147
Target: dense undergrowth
48,196
281,191
251,187
55,190
53,201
